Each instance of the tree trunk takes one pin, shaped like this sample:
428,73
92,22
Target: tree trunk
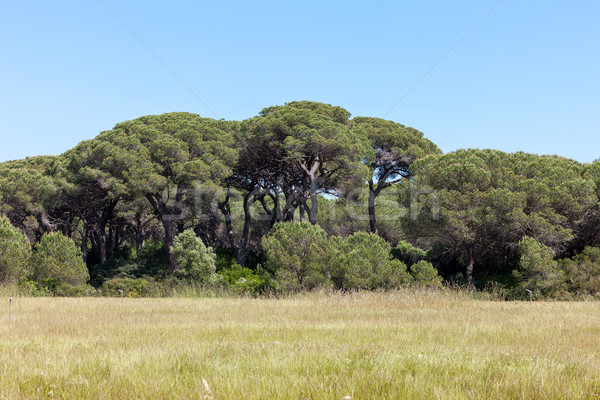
226,210
314,207
139,235
84,237
139,242
470,264
169,227
372,220
111,239
243,250
106,215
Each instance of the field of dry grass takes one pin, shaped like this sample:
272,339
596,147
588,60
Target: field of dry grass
408,344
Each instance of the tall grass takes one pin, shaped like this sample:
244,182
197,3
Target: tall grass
412,344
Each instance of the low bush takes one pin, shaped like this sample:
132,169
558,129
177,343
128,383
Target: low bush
425,274
130,287
243,280
297,256
363,261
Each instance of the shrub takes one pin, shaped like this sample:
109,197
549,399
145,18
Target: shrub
364,261
583,272
408,254
57,260
66,290
194,260
425,274
130,287
15,253
296,253
242,280
539,272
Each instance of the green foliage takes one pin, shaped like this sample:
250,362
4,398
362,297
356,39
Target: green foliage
364,261
311,146
57,259
194,260
146,179
539,272
583,272
408,254
26,191
151,261
15,253
130,287
475,205
242,280
425,274
297,255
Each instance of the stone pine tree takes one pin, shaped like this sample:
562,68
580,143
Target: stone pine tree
395,147
487,201
174,153
307,148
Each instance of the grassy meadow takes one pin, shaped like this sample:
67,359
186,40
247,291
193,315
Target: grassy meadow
403,345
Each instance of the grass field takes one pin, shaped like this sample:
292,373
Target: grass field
409,344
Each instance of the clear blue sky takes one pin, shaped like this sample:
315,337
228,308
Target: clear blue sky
526,77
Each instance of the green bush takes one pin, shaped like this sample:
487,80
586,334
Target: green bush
66,290
130,287
57,260
425,274
583,272
539,272
194,260
364,261
408,254
15,253
296,254
242,280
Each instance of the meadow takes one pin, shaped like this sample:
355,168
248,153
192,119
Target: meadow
409,344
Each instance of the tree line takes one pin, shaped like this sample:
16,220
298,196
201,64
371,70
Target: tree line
300,196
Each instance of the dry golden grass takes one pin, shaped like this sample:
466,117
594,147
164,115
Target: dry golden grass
408,344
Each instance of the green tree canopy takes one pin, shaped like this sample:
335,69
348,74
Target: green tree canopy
583,272
27,191
488,200
395,147
194,260
56,257
364,261
304,148
538,271
297,254
15,252
174,154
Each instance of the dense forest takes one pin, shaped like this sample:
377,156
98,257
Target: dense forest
300,197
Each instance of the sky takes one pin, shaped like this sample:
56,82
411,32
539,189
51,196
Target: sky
512,75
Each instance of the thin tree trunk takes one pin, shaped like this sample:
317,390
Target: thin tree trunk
226,210
372,220
106,215
243,250
169,227
314,207
470,265
84,237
